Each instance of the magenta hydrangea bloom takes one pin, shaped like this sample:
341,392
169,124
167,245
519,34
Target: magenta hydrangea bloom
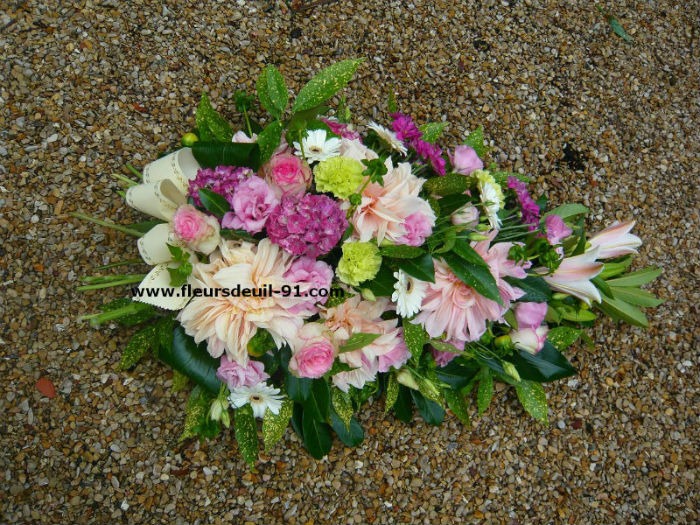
222,180
405,128
310,225
530,209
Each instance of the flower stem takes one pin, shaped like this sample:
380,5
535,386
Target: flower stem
124,179
120,263
107,224
130,280
98,279
102,317
134,171
247,122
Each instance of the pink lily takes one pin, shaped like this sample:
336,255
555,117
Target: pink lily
615,240
574,274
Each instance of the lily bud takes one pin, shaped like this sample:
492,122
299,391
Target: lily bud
510,369
406,378
478,237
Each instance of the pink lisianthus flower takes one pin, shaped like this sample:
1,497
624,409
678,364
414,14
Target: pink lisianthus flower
396,357
451,307
468,215
557,230
531,333
616,240
288,174
196,229
465,160
418,228
252,203
530,339
313,352
530,314
236,375
445,358
317,274
242,137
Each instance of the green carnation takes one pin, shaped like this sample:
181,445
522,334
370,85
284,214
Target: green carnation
360,261
339,175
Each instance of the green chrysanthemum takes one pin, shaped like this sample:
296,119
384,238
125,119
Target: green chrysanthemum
339,175
360,262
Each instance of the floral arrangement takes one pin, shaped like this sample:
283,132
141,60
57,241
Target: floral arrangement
302,269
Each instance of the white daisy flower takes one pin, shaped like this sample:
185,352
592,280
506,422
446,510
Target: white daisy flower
408,295
317,147
260,396
388,136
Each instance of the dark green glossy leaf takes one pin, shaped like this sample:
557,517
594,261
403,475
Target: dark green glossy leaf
213,154
451,203
318,402
421,268
475,276
457,375
352,435
185,356
213,202
298,388
469,254
382,285
401,251
548,364
317,436
403,407
432,413
536,289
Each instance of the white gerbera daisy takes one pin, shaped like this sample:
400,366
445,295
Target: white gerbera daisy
317,147
388,136
408,295
260,396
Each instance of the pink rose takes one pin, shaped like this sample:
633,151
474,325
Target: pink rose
417,227
396,357
289,173
465,160
199,231
252,203
313,353
235,375
317,274
530,315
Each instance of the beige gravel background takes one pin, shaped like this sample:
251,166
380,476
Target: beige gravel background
87,86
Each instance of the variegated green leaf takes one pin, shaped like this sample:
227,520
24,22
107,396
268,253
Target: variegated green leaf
274,425
246,434
138,346
458,405
179,381
432,131
562,337
533,399
196,411
342,404
415,337
392,392
326,84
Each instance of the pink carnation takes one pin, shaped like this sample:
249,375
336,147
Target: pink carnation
317,274
235,375
288,173
252,203
418,228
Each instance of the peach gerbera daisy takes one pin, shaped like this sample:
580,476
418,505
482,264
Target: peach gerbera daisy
228,323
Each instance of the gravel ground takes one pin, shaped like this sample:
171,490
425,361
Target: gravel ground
613,125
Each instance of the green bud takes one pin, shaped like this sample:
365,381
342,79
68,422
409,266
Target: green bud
368,295
486,338
477,237
504,342
225,419
406,378
559,296
188,139
483,227
510,369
